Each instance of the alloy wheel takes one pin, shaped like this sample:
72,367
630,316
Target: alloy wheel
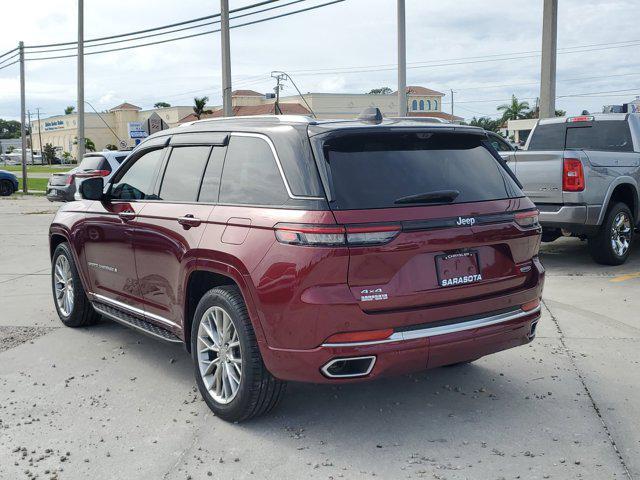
219,355
63,283
621,234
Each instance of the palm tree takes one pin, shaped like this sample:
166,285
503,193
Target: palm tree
69,110
199,106
514,110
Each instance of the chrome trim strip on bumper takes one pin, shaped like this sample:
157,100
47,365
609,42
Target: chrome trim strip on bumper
325,369
135,310
444,329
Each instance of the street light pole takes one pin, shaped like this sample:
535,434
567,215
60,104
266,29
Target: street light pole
23,120
548,67
226,58
402,61
80,106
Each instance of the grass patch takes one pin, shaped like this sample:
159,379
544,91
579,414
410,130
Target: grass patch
34,183
37,168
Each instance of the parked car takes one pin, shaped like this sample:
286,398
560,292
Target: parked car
8,183
323,251
583,173
62,186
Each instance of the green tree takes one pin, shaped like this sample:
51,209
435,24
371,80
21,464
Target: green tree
48,153
486,123
514,110
89,146
380,91
161,105
199,107
69,110
10,148
110,146
9,128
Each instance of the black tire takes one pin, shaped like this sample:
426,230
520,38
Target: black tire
259,391
6,188
600,245
82,314
464,362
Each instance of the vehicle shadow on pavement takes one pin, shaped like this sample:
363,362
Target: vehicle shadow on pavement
571,256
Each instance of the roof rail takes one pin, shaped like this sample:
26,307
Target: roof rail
421,119
281,118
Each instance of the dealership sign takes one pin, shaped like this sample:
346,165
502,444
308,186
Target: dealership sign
54,125
136,130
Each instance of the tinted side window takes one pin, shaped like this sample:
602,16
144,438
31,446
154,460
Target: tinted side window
138,181
120,158
250,175
606,136
211,181
499,144
548,137
181,181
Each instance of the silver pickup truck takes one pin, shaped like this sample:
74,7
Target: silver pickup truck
583,173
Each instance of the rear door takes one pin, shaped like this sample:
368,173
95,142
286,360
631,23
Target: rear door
457,242
539,168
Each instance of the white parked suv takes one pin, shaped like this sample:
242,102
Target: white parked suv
63,186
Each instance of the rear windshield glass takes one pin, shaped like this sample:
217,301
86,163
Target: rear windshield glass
375,171
607,136
548,137
93,163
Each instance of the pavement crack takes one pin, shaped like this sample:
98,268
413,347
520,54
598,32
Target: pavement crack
594,404
186,449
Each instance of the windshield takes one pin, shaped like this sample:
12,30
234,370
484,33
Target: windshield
93,163
384,170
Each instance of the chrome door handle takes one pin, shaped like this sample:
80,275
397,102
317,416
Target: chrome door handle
127,215
189,221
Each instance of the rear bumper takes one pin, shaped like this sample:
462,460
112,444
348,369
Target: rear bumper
60,193
411,350
569,216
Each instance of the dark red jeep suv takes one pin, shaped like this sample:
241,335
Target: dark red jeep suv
287,248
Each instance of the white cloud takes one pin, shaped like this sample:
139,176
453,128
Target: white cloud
353,33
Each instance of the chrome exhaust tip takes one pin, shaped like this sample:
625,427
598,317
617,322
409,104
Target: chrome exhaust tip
532,332
349,367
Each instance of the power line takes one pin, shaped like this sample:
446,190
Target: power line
192,35
9,58
191,27
8,52
208,17
9,64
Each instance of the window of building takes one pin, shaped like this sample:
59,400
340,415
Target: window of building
435,104
138,181
414,105
428,104
250,175
421,104
181,181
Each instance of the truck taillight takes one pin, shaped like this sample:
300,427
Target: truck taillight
572,175
70,179
336,235
527,219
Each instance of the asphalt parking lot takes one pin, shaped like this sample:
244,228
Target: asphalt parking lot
108,403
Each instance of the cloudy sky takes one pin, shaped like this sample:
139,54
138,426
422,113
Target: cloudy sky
484,50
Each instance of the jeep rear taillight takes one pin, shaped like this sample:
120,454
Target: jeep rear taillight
70,179
527,219
336,235
572,175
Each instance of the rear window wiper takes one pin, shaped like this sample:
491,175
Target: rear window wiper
438,196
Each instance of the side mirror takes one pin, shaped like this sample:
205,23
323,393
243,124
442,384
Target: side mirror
92,188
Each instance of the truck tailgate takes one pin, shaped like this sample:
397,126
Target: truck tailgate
540,173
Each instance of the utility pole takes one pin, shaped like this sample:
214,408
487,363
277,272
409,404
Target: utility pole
23,127
40,134
402,61
548,67
226,58
80,106
30,136
279,77
452,105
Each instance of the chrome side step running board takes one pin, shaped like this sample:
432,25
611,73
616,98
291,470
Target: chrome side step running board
131,321
433,331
